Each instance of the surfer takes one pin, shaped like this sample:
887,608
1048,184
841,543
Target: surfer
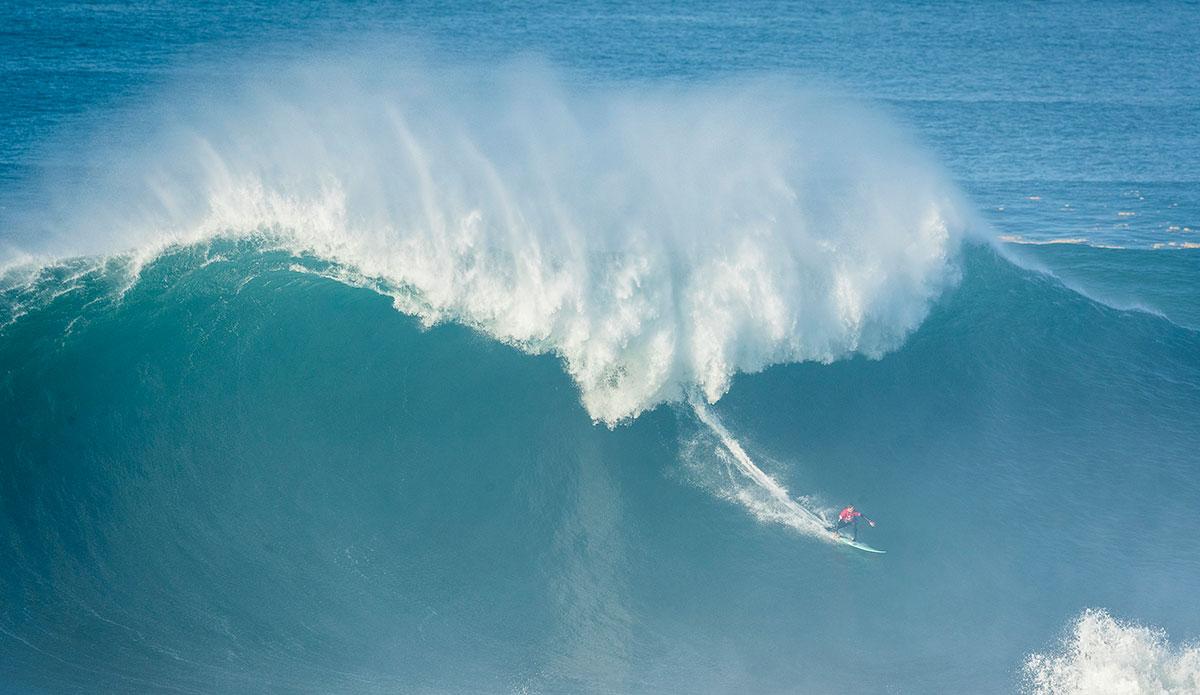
849,517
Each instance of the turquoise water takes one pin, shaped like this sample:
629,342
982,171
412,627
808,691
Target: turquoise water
499,348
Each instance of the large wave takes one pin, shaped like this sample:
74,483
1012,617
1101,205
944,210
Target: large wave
655,238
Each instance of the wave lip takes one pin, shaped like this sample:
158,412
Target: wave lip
656,240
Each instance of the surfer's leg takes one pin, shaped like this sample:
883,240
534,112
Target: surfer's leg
855,537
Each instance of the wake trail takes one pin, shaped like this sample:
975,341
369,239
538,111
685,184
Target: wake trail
766,499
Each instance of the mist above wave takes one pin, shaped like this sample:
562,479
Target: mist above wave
656,238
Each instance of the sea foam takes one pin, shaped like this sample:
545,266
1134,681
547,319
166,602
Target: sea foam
659,239
1104,656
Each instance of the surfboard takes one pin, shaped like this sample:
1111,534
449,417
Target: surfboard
855,544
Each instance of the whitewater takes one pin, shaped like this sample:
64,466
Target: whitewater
411,368
654,239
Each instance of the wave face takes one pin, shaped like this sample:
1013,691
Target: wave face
236,474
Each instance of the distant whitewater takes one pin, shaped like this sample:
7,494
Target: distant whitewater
1103,656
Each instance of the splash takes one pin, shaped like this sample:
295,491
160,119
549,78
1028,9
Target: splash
766,499
1103,656
657,239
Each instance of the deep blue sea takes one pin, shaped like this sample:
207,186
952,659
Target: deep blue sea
499,347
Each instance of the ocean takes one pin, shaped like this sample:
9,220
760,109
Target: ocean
494,347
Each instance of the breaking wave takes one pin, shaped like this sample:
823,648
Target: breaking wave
656,239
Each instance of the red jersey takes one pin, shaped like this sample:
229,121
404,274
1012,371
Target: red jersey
848,514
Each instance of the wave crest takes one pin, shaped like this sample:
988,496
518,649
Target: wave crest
657,239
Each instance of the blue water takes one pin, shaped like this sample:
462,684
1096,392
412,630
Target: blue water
442,347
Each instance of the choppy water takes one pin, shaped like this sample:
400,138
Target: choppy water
436,348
